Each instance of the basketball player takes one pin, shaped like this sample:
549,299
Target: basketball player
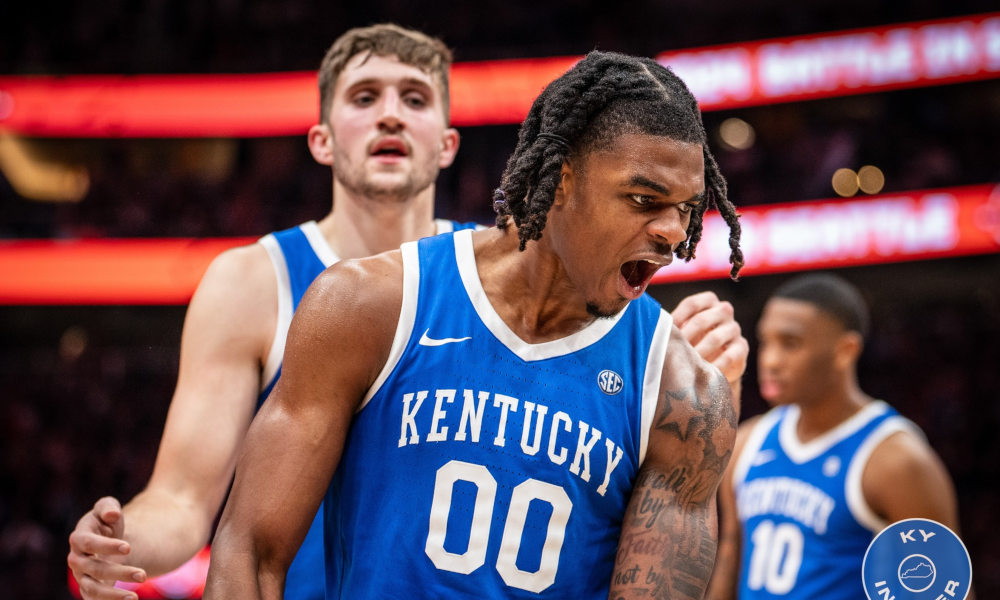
813,480
383,129
505,405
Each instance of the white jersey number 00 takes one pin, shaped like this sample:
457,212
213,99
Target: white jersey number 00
482,517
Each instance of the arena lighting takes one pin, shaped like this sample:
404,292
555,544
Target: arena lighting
870,179
845,182
497,92
780,237
737,134
37,179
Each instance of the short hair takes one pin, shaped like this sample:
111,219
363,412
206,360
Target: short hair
602,97
411,47
831,294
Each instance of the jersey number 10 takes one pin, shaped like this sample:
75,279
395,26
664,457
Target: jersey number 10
482,517
776,557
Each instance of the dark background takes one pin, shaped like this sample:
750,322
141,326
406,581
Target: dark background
84,390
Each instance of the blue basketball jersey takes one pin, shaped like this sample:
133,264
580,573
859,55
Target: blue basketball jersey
479,465
805,522
299,255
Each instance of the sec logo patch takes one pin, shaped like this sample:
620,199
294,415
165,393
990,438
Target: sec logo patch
917,559
610,382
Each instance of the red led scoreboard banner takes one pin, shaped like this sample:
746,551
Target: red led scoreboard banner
498,92
843,63
106,271
890,228
776,238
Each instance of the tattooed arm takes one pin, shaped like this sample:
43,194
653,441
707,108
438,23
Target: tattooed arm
668,540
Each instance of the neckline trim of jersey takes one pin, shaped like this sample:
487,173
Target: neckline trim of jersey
801,453
467,269
319,244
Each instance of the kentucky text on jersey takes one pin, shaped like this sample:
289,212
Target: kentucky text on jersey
298,256
480,465
787,497
806,524
560,429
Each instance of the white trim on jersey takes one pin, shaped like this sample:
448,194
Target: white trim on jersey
752,446
587,336
651,380
285,310
444,226
856,502
407,317
800,453
319,244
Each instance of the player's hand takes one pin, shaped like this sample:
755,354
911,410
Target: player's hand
97,553
708,324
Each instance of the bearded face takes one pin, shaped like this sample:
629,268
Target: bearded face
389,134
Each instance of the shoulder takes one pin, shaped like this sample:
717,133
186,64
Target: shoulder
366,284
241,267
239,289
905,478
359,298
901,454
245,272
348,317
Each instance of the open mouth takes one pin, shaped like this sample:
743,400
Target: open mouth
389,148
637,274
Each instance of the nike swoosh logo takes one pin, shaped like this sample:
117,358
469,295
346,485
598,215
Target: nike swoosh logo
764,457
426,341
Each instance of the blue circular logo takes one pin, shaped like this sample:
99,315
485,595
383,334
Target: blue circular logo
610,382
917,559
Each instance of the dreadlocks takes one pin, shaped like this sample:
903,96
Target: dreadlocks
603,97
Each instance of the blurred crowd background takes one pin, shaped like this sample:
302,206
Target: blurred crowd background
84,390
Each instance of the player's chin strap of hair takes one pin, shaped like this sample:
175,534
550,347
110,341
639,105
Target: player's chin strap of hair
554,138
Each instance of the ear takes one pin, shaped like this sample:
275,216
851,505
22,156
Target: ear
320,140
848,349
567,181
449,147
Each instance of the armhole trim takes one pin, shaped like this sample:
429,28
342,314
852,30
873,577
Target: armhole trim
855,495
277,352
652,378
753,444
407,318
318,243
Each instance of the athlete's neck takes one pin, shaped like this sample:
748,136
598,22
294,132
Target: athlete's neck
841,402
529,290
359,227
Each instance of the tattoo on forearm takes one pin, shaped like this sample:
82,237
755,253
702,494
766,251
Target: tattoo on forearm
672,514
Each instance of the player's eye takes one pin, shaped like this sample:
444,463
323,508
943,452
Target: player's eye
641,200
791,343
364,99
415,101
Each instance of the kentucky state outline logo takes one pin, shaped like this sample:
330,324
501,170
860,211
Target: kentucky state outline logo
917,559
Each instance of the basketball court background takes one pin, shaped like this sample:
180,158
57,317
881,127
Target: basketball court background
112,200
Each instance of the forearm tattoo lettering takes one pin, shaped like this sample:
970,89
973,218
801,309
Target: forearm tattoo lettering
671,518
